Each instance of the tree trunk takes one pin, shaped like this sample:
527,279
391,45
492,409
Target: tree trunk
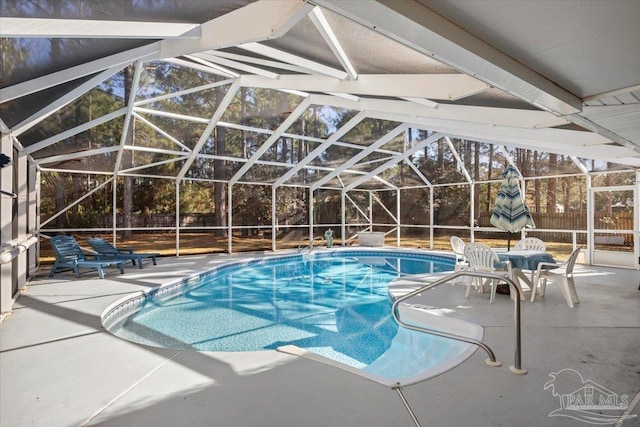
220,170
490,171
536,182
61,189
476,173
127,160
552,185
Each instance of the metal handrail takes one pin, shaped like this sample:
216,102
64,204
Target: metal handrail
517,367
310,242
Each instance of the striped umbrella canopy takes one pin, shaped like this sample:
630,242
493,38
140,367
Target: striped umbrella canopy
510,213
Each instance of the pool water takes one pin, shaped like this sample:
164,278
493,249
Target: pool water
335,306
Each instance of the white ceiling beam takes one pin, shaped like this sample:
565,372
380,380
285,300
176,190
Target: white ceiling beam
59,103
161,132
378,160
366,215
154,164
606,133
418,172
431,86
76,155
584,144
222,107
422,101
217,60
94,28
456,155
182,92
118,60
207,67
503,150
527,119
580,165
295,92
258,21
394,161
155,150
322,25
344,95
311,66
286,124
253,60
321,148
74,131
170,115
418,27
625,120
361,155
135,83
382,205
262,20
382,181
57,214
78,171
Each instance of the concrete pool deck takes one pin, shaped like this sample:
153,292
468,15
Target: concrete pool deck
59,367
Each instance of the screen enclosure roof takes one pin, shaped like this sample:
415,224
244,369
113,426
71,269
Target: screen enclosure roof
552,76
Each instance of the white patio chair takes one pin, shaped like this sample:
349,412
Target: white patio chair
532,244
562,274
457,246
484,259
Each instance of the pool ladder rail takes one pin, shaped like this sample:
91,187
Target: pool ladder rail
491,361
311,243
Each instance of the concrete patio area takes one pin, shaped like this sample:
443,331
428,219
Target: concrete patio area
60,367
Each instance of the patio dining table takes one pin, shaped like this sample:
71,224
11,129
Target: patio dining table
524,260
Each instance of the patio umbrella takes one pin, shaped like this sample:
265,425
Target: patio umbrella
510,213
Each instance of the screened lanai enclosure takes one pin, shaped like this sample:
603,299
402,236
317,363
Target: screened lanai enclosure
238,125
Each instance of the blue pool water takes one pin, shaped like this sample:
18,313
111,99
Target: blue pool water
336,305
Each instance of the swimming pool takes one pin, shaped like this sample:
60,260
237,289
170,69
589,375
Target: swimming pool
332,306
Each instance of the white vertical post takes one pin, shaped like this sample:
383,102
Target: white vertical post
431,216
34,217
311,214
636,222
6,231
274,218
21,217
370,211
398,212
343,205
472,211
523,192
590,222
229,219
114,208
177,217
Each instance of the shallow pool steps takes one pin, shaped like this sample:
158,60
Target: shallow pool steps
405,288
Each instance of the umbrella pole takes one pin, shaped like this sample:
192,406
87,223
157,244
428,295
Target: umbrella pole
508,241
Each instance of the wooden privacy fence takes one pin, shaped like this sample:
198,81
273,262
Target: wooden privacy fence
158,220
570,221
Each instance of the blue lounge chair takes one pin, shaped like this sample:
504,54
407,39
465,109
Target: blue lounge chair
69,255
107,251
